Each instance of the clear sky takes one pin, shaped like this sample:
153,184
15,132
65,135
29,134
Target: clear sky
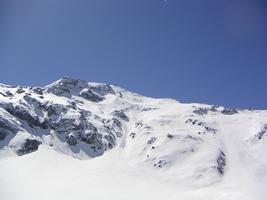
210,51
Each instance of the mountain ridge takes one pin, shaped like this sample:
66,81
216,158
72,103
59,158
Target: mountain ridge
197,144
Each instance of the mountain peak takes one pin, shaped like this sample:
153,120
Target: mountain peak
195,143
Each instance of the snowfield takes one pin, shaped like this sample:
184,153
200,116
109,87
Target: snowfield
78,140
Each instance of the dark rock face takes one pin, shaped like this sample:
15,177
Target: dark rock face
2,134
34,103
229,111
7,94
160,163
72,140
209,129
30,145
201,111
111,140
132,135
93,139
102,90
20,91
22,113
66,125
4,124
38,90
201,124
151,140
68,121
55,109
115,126
6,128
91,96
86,132
221,162
204,111
262,132
120,114
66,86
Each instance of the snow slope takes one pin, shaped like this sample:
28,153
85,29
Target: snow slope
74,139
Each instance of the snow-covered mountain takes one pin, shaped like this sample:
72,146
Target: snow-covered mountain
74,139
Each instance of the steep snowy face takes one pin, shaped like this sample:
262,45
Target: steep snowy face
86,120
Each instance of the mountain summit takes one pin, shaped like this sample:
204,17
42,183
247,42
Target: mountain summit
207,147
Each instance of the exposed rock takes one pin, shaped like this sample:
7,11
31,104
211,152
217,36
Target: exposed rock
132,135
160,163
3,134
170,136
229,111
221,162
209,129
201,111
102,89
120,114
3,94
213,109
20,90
91,96
204,111
71,140
139,124
5,124
262,132
38,90
29,146
67,86
110,140
115,126
22,113
55,109
151,140
201,124
93,138
66,125
9,94
32,101
148,109
6,128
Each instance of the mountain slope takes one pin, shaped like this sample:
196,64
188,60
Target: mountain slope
149,148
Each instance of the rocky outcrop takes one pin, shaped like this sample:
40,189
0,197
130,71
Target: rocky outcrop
221,162
22,113
7,127
55,109
91,96
20,90
102,89
29,146
38,90
120,114
201,124
229,111
68,87
262,132
204,111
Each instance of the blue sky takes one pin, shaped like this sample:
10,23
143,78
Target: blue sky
194,51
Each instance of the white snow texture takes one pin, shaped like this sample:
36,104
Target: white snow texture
78,140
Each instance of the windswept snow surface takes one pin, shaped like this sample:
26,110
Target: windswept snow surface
78,140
